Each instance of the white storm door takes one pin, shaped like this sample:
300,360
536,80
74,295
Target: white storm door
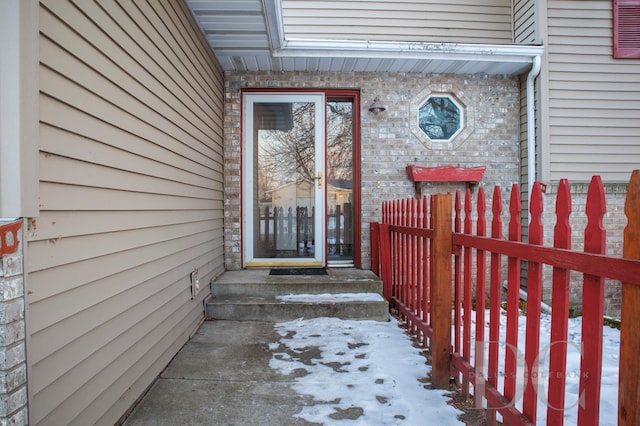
283,179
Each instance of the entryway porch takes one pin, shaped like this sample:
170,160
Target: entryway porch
257,295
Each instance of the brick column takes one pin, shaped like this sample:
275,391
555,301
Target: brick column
13,365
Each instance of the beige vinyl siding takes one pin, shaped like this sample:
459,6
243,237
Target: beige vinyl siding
524,28
594,100
459,21
131,202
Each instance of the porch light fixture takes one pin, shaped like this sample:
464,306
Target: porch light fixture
377,106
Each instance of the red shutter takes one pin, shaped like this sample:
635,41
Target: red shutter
626,28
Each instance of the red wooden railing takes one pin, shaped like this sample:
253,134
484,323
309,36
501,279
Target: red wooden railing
421,253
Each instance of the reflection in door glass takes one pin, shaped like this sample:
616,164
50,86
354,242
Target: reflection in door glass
284,191
340,179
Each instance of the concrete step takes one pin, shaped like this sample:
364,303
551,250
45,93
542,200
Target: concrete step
254,295
245,308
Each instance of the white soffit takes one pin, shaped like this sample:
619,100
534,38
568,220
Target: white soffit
247,35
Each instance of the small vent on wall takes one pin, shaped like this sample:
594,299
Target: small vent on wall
626,29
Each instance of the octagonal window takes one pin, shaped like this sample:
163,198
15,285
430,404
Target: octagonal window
440,117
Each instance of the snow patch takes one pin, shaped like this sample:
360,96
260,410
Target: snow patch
331,297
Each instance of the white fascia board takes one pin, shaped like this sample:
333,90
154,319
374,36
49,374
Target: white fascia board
408,50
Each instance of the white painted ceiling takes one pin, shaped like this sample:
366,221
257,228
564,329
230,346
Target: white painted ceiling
247,35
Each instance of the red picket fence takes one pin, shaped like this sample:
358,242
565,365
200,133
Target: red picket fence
431,261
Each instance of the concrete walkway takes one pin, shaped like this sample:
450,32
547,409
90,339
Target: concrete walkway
222,377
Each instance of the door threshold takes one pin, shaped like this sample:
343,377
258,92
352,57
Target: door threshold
261,264
341,264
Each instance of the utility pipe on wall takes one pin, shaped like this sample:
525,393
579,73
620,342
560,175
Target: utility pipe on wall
531,123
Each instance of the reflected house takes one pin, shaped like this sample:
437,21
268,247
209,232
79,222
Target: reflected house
295,200
340,220
291,215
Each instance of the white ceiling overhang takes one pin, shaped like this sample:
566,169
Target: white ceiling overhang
248,35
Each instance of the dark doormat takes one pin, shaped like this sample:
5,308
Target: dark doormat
298,271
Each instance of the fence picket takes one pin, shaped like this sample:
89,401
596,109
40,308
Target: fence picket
513,297
405,255
457,303
592,309
396,250
629,383
494,298
534,297
413,258
468,295
481,289
374,232
424,249
431,263
560,312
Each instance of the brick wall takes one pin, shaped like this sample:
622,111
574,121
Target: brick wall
13,368
388,142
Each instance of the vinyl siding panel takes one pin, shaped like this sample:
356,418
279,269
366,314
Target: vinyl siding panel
460,21
524,22
594,100
131,202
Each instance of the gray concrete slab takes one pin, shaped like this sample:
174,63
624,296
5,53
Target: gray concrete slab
222,377
174,402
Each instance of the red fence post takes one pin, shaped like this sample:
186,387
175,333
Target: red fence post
441,282
629,382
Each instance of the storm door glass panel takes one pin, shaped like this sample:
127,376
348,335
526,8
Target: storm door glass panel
285,180
340,180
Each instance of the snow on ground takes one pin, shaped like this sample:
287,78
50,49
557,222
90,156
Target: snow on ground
610,359
366,371
371,372
332,297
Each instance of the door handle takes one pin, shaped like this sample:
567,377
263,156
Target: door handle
319,179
